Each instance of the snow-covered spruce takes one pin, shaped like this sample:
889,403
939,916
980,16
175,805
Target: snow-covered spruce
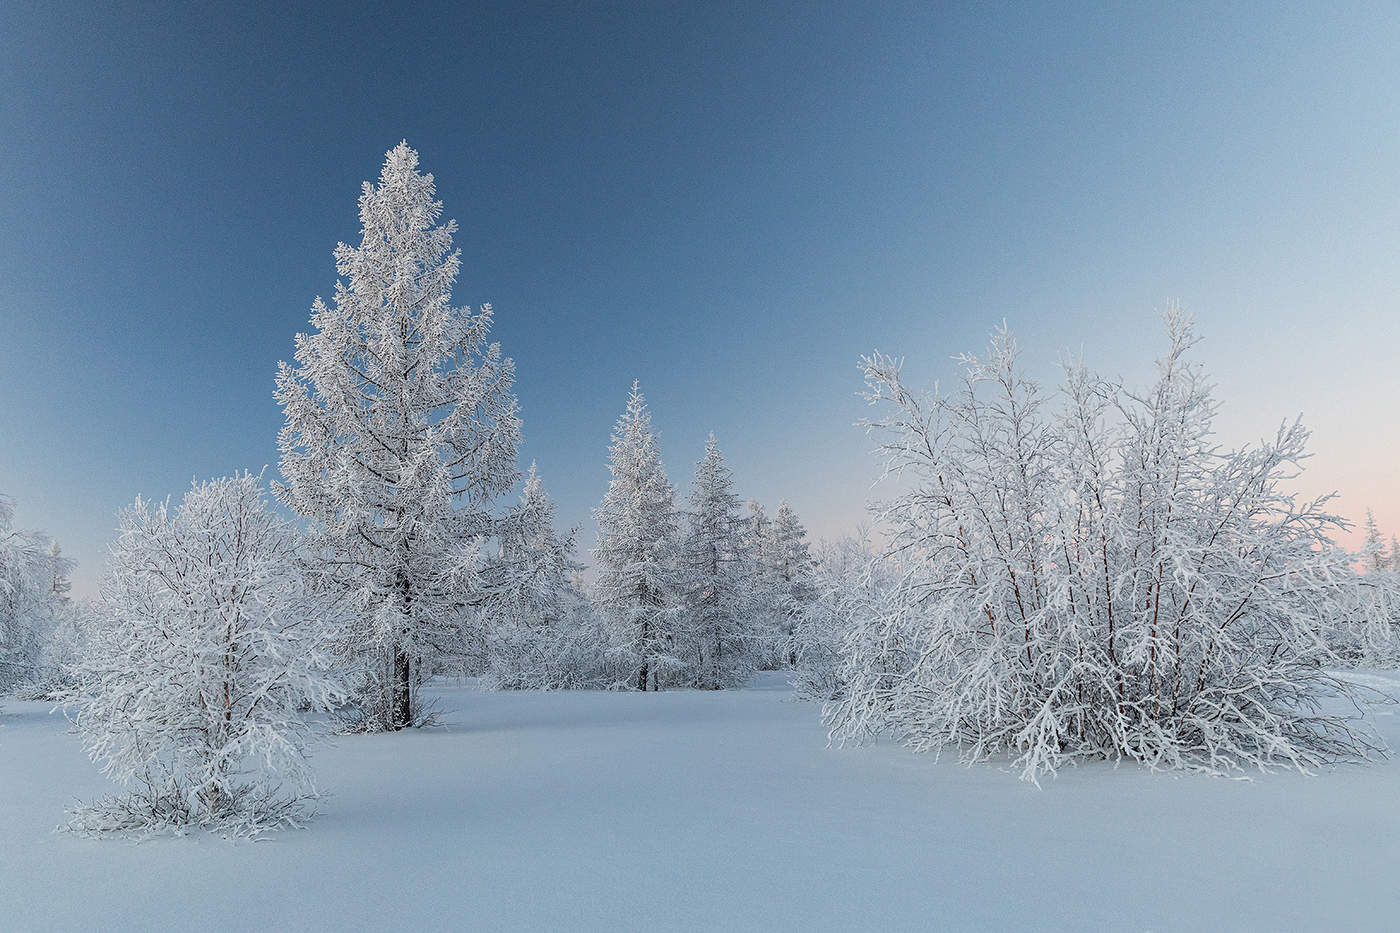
638,584
764,598
537,631
537,565
780,584
791,567
209,647
715,641
401,433
1102,581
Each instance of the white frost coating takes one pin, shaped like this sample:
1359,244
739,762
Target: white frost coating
33,602
850,583
1099,581
401,433
638,586
716,641
209,647
538,632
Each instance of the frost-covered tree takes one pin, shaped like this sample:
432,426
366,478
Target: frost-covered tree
61,629
754,536
764,590
850,585
60,567
33,589
530,622
1395,554
1099,581
1369,635
716,645
791,570
401,433
1373,556
638,586
210,644
779,580
538,562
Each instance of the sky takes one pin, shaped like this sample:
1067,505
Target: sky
730,203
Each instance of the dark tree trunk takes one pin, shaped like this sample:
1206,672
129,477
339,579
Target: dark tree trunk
642,674
401,708
401,714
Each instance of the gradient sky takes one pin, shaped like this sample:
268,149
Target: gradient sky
730,204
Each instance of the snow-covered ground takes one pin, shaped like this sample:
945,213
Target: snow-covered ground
718,811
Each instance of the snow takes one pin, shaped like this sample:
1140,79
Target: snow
719,810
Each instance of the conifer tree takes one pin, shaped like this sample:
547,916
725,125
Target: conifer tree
537,562
792,568
637,581
717,647
756,546
59,569
1373,557
401,432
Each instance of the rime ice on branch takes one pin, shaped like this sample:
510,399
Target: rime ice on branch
33,600
1101,580
209,646
401,433
638,584
717,643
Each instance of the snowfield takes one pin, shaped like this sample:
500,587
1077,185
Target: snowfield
716,810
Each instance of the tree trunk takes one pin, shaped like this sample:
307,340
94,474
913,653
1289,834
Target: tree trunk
642,674
401,714
401,708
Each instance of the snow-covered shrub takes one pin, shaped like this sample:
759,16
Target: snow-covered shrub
209,646
1099,581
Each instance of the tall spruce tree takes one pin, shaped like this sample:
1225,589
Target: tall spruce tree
401,432
764,597
637,580
793,572
717,647
537,564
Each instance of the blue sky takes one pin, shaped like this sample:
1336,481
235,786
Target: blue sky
729,203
